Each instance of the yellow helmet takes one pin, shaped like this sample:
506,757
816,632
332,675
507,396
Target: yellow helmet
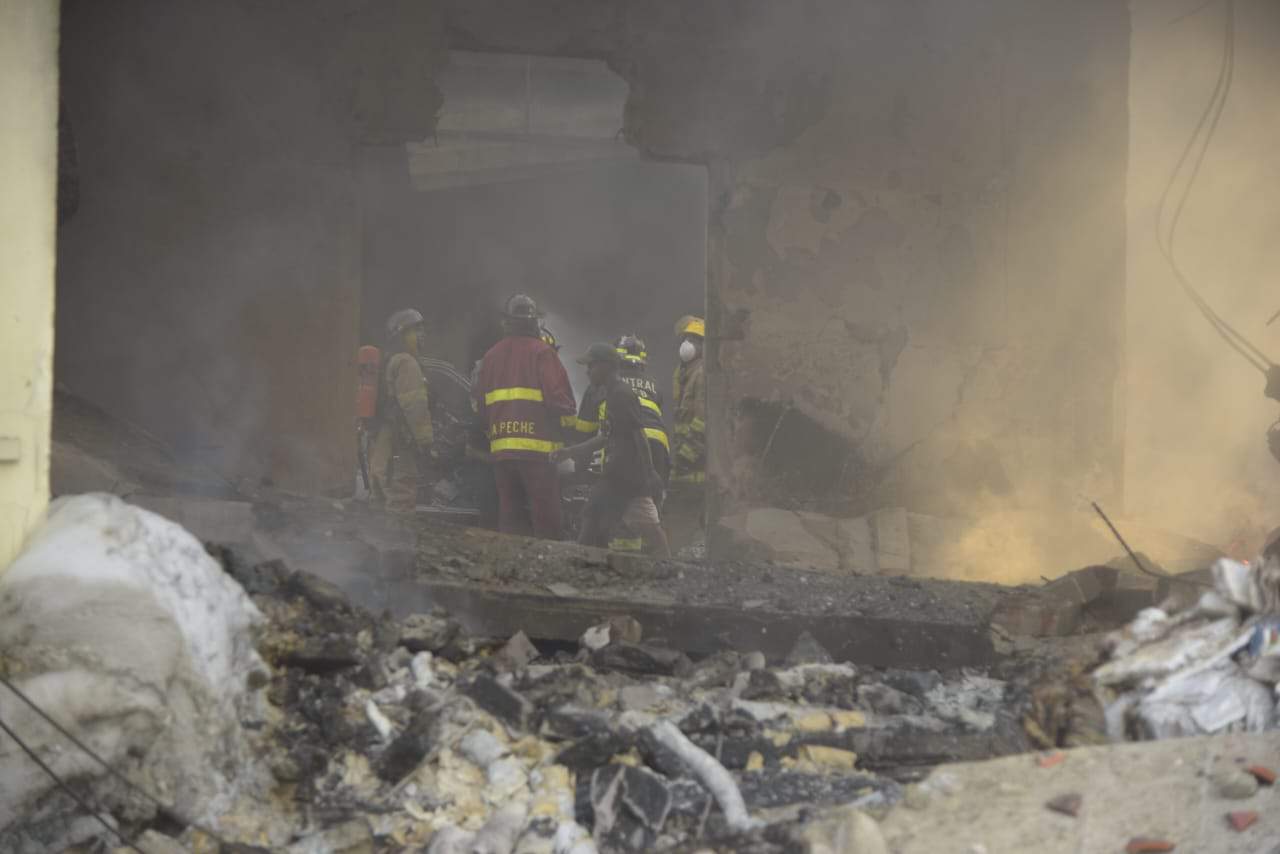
690,325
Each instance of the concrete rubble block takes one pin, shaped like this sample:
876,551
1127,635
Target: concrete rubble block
504,703
427,632
516,653
118,624
892,541
807,650
641,658
846,830
1030,613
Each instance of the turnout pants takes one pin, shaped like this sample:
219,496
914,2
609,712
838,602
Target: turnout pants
528,498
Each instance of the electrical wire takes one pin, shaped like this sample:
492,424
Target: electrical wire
106,766
1200,139
66,787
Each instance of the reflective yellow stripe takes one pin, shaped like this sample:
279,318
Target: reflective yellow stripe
584,426
627,545
658,436
499,395
691,477
646,402
697,425
409,398
682,429
570,421
688,453
540,446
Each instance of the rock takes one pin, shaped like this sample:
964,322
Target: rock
625,629
499,833
481,748
426,633
917,797
643,697
618,629
716,671
1235,785
843,831
916,683
1243,820
352,837
498,700
642,659
1068,804
122,627
517,653
807,650
753,661
630,805
593,751
451,839
151,842
884,700
1148,845
404,754
1264,775
595,638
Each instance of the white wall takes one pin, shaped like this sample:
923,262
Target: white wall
28,176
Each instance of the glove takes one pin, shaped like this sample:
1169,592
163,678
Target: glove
1273,383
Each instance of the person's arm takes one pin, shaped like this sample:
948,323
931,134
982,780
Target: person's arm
581,450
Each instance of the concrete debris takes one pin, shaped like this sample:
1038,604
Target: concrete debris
1211,666
372,734
118,624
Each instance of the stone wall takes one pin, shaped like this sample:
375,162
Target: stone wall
208,285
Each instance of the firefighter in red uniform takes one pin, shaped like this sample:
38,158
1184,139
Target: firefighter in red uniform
526,403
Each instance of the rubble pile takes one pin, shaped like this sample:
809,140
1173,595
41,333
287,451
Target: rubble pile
409,735
1206,661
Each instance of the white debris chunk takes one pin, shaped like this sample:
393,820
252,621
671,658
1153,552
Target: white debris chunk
423,675
572,838
481,747
128,632
710,773
380,721
499,834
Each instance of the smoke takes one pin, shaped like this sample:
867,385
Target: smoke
1196,456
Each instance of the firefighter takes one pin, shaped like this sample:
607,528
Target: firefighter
523,395
689,461
403,450
634,371
626,493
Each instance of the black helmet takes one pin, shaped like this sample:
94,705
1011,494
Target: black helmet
632,350
600,352
521,307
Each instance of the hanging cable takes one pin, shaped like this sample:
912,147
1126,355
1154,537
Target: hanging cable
106,766
1200,139
66,787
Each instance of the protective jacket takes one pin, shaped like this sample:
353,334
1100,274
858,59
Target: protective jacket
405,389
524,395
689,454
655,428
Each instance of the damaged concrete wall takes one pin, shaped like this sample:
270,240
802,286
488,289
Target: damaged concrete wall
208,286
918,230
